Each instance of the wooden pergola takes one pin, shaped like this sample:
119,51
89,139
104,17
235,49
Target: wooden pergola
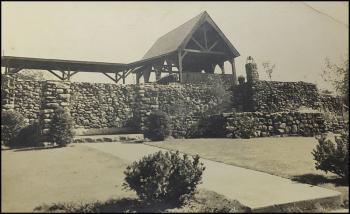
194,47
65,69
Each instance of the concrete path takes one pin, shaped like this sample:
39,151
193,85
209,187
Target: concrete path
255,189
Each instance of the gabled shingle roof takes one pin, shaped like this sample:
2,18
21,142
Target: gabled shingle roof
173,40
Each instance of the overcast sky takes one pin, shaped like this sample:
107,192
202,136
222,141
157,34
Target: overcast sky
295,36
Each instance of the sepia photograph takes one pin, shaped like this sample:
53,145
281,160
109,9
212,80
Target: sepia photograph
174,107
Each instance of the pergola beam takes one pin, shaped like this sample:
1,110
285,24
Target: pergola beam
204,52
56,75
110,77
197,43
213,45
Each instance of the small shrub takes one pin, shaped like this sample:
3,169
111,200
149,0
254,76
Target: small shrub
29,136
61,128
11,124
157,126
164,177
333,156
219,90
241,79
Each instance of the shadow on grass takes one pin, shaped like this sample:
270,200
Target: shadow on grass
111,206
316,179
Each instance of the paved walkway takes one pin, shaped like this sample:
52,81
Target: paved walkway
252,188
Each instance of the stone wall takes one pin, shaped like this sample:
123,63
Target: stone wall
28,99
96,105
273,96
260,124
184,103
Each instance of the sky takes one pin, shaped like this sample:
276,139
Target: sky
295,36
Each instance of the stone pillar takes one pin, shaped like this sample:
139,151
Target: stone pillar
251,70
147,102
55,94
7,92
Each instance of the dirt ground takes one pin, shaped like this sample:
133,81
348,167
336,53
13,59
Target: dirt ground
30,178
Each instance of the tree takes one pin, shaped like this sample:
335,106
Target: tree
30,75
268,68
338,76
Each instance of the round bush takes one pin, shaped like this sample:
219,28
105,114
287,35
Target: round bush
164,177
333,156
11,124
157,126
61,128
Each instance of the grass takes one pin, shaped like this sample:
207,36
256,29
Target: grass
81,179
203,201
68,174
288,157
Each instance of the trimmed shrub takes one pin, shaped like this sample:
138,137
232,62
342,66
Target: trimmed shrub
157,126
11,124
61,128
29,136
164,177
333,156
210,127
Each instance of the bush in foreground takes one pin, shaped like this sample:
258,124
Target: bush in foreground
333,156
61,128
164,177
157,126
11,124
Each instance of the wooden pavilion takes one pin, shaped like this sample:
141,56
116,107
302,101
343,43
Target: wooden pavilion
196,46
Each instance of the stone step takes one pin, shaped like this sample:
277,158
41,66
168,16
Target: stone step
109,138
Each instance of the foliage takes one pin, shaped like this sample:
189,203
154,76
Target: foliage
164,177
157,126
11,124
333,156
29,136
338,76
268,67
241,79
210,127
30,75
204,201
61,128
221,93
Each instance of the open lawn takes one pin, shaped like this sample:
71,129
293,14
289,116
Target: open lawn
288,157
70,174
78,178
